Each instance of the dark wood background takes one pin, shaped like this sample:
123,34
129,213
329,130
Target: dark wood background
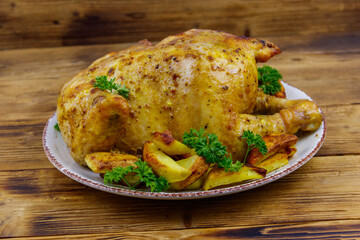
44,43
40,23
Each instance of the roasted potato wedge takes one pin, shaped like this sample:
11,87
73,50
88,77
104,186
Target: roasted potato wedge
290,151
166,143
218,177
275,144
164,165
274,162
197,184
197,165
101,162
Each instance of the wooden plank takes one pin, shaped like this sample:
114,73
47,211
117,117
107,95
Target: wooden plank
21,146
47,203
323,229
321,42
343,130
43,23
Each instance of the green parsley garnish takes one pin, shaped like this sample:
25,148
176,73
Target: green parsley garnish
56,126
254,141
104,84
143,171
208,146
269,79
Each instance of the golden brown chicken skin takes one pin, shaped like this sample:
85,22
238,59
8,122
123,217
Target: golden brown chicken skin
196,79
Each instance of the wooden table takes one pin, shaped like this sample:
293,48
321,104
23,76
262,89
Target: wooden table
321,199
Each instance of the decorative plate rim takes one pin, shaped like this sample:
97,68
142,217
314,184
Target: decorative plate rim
184,195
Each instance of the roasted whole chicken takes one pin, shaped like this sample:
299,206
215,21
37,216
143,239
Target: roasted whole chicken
196,79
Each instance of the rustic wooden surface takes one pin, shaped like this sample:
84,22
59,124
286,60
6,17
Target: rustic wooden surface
41,23
319,200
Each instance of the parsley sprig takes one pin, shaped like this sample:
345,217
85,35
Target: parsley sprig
254,141
143,171
56,126
269,79
208,146
104,84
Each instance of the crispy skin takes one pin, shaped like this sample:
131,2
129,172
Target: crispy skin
303,116
274,144
196,79
267,104
90,120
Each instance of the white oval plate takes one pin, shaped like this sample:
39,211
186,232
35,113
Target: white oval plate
59,155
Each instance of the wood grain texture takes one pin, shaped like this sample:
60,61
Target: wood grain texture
343,130
42,23
48,203
343,229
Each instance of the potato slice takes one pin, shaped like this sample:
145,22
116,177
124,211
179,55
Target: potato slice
218,177
164,165
197,165
101,162
166,143
290,151
274,143
197,184
274,162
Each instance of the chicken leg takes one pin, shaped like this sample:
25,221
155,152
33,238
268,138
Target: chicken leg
302,115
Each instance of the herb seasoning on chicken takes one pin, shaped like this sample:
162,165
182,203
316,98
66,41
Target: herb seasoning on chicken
196,79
